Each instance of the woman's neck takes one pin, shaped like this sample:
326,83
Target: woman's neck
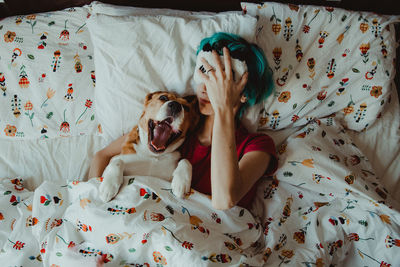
205,132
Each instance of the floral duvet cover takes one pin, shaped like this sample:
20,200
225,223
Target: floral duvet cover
145,225
323,207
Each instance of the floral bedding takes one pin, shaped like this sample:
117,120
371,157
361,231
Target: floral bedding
145,225
323,207
325,60
47,76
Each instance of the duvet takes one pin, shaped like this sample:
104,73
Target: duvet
323,207
145,225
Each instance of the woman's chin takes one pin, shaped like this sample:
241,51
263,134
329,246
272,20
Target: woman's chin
206,111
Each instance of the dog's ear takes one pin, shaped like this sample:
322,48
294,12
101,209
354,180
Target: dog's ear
149,96
195,111
190,98
193,102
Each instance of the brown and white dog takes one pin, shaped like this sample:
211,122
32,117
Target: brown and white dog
150,149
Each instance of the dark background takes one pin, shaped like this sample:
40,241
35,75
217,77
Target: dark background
22,7
19,7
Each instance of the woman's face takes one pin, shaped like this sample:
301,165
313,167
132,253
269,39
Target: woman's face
205,106
204,103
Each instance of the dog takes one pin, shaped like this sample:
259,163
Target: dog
151,148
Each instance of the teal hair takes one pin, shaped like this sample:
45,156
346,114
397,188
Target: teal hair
260,81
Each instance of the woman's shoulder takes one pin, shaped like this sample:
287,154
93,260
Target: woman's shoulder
246,141
243,134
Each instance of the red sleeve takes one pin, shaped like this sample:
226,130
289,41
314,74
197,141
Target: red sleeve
262,142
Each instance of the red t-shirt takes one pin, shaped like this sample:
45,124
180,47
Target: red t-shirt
200,158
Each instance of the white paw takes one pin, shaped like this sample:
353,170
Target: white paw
107,190
182,178
112,180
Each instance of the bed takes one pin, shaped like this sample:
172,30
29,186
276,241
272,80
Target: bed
72,80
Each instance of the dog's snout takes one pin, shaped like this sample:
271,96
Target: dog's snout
174,108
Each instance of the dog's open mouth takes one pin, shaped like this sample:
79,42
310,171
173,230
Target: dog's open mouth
161,134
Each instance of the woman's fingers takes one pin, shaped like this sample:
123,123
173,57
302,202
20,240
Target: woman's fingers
227,62
206,65
218,63
210,71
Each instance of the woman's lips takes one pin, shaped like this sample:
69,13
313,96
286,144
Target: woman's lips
203,101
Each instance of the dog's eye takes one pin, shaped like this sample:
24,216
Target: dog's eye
163,98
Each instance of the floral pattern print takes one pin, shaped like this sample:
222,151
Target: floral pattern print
16,222
337,45
158,230
333,210
323,207
40,55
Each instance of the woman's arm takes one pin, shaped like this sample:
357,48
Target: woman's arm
230,179
103,157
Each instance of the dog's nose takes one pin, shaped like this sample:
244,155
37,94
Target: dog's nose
174,108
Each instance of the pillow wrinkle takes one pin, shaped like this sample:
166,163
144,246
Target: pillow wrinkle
151,53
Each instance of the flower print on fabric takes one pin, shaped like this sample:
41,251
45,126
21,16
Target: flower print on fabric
32,69
360,49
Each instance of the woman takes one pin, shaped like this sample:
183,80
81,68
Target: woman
227,160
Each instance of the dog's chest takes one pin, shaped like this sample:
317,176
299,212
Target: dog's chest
158,166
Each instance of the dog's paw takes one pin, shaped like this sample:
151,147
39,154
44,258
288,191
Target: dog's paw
107,191
178,189
182,179
112,180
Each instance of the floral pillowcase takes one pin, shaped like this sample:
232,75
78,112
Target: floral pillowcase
325,60
47,76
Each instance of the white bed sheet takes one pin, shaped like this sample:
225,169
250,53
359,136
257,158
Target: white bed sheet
56,159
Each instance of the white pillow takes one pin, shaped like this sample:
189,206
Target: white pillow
325,60
117,10
137,55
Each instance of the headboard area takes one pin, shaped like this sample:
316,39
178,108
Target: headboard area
19,7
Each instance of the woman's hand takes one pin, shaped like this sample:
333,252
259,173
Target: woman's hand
223,92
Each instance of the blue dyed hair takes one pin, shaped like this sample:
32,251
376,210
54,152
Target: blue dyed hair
260,83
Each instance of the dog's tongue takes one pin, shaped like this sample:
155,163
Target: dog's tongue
161,134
